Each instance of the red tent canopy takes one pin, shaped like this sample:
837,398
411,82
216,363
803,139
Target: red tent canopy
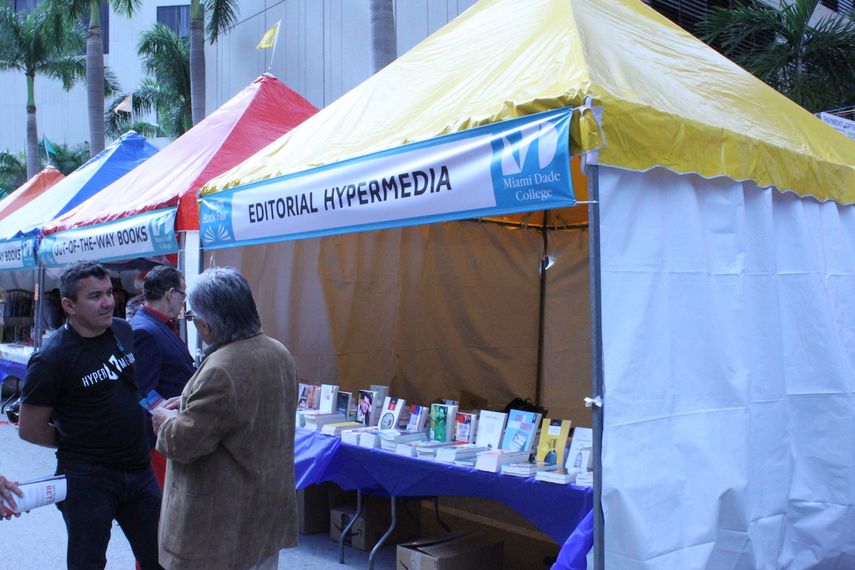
29,190
258,115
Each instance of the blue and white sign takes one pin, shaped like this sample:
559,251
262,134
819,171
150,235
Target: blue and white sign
144,235
18,253
518,165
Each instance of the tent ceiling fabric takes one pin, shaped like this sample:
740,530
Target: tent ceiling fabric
667,99
257,115
29,190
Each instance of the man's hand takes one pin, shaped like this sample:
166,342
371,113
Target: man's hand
172,403
7,488
160,415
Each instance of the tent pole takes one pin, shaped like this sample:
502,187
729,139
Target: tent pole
39,308
544,261
596,358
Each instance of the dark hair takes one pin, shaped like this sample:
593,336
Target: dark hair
223,299
160,280
72,275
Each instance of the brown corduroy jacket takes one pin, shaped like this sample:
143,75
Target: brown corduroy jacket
229,498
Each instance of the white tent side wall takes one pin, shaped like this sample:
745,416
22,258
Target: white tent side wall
729,350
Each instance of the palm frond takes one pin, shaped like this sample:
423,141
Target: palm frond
222,15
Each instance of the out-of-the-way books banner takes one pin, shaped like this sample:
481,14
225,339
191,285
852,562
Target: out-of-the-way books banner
517,165
18,253
143,235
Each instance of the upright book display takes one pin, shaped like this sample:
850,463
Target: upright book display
553,441
442,421
491,429
390,415
520,431
328,396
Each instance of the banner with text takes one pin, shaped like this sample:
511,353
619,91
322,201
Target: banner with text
517,165
143,235
17,253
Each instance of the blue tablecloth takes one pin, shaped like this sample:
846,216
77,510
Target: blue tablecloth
15,369
556,509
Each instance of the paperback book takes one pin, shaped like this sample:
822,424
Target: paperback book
338,427
465,427
526,469
442,421
390,415
459,452
553,441
579,454
368,408
344,403
520,431
328,396
37,493
493,459
418,417
491,429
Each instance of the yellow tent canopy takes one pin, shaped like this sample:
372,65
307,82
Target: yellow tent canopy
667,98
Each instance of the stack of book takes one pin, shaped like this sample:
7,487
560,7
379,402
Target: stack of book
576,463
336,428
315,420
370,439
352,436
585,479
493,459
391,438
526,469
427,449
459,452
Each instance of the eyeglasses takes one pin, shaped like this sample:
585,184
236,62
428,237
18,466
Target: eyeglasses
189,316
183,293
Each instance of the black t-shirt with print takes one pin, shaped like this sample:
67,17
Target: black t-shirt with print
90,384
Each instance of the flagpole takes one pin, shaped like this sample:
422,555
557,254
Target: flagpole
275,42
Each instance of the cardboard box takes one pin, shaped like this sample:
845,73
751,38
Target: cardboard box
458,551
374,522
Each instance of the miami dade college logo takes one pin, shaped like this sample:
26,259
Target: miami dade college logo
545,136
528,165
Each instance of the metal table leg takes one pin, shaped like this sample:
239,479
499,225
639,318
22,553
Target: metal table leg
383,538
436,515
346,530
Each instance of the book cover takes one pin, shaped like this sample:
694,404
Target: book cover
465,426
391,412
442,421
37,493
343,403
365,408
314,397
418,417
553,441
328,401
520,431
579,454
491,429
302,396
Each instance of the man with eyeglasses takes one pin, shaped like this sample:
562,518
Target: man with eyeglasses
163,362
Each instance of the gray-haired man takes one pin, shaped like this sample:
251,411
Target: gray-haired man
229,496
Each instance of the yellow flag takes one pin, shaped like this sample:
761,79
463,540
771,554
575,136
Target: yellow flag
270,37
125,106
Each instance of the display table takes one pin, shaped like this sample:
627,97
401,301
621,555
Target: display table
13,365
555,509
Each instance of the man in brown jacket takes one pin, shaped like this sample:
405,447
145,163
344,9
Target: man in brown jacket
229,500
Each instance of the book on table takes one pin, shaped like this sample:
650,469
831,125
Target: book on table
352,436
344,404
585,479
553,441
370,439
417,420
315,420
442,421
367,407
579,454
328,396
390,415
465,427
520,430
459,452
493,459
560,476
303,396
491,428
427,448
337,428
526,469
37,493
390,438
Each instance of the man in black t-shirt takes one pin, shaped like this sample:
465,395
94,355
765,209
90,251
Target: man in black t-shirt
80,397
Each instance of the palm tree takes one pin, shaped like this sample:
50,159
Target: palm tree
384,43
165,89
95,60
814,65
67,159
40,42
13,171
223,14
